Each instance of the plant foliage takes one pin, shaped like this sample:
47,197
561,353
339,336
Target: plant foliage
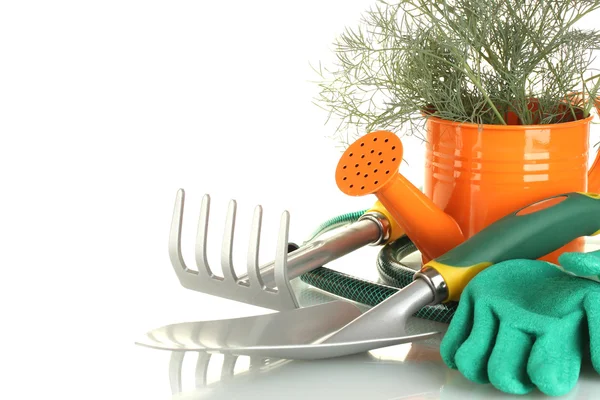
477,61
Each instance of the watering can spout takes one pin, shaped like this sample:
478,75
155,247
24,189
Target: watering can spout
370,166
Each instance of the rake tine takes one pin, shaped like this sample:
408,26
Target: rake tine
254,278
227,247
175,368
284,288
175,237
252,287
201,258
202,369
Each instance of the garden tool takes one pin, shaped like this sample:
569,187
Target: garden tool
291,334
524,324
397,263
268,285
527,233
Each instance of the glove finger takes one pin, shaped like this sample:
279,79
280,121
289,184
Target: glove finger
473,355
581,264
592,308
507,366
458,331
555,360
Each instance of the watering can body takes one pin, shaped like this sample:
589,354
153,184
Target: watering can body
479,174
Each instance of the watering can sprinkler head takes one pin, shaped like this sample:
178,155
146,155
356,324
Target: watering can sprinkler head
370,166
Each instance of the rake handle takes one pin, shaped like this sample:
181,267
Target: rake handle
321,252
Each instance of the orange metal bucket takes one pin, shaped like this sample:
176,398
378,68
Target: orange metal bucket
479,173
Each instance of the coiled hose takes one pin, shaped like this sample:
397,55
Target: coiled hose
392,272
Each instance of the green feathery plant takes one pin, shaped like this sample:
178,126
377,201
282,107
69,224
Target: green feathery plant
477,61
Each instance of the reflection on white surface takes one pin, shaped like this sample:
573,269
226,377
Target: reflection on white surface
401,372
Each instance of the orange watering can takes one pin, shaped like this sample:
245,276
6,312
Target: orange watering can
474,175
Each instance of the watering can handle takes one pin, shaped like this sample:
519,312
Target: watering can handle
528,233
594,171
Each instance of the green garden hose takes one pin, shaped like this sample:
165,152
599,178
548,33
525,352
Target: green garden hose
392,272
336,222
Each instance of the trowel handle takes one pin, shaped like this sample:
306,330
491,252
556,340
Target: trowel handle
529,233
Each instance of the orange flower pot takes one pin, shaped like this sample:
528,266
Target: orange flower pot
480,173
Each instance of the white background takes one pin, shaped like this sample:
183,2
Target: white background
106,109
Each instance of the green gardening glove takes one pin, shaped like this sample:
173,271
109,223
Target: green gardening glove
522,324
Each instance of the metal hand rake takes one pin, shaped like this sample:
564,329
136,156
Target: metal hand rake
268,285
251,288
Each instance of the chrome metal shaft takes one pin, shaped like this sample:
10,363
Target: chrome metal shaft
319,252
388,318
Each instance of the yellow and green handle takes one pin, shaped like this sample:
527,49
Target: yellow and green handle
528,233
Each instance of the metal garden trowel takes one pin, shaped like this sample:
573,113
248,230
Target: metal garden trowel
295,334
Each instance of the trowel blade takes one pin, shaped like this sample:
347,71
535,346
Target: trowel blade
293,334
